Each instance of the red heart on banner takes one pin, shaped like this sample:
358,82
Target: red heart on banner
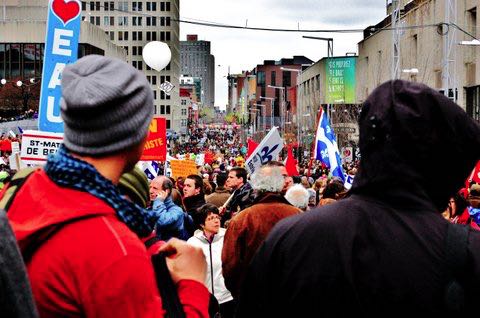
66,11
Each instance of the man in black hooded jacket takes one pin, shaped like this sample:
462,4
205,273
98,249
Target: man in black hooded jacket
382,250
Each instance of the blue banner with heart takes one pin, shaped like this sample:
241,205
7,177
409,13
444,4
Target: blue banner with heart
61,48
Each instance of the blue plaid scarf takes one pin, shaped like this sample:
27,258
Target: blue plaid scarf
70,172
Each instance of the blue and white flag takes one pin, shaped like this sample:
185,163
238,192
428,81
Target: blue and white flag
150,168
326,149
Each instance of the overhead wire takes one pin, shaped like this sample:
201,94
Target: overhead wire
238,27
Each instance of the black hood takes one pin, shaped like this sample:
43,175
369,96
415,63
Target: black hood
415,139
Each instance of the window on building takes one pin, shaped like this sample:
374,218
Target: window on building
168,124
137,21
122,21
92,20
162,6
273,80
473,102
151,6
184,111
155,97
92,6
105,6
472,21
106,21
154,80
137,6
167,109
151,36
123,6
112,36
151,21
167,21
167,6
126,49
84,5
261,78
140,65
97,21
184,123
167,36
162,109
97,5
286,78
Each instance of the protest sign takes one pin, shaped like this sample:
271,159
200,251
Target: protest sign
183,168
267,150
15,147
37,145
156,146
61,47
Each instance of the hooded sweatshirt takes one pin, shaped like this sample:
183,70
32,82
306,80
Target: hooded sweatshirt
381,251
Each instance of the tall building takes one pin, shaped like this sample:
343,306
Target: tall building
197,61
440,56
131,25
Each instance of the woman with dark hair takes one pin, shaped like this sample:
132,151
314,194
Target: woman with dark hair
209,237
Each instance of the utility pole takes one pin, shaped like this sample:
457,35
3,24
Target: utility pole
396,39
449,44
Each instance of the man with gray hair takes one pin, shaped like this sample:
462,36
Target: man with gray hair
298,196
247,230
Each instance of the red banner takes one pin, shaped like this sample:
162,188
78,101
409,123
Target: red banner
156,145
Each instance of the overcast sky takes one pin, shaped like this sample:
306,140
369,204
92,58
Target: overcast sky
244,49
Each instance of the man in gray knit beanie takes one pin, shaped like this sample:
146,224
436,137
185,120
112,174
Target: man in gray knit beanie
99,262
106,106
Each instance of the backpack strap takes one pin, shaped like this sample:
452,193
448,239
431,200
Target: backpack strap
456,254
168,291
14,186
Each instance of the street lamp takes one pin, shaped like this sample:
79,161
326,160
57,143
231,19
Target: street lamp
272,105
282,106
263,112
470,43
299,74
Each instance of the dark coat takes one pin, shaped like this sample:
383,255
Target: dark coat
246,232
219,197
381,251
16,298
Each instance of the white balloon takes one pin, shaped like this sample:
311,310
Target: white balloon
157,55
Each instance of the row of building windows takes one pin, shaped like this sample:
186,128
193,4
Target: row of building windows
136,21
123,6
165,36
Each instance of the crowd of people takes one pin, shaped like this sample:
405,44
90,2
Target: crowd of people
88,235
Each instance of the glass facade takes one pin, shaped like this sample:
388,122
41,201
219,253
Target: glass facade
25,60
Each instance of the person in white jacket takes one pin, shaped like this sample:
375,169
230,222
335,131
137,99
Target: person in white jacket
210,238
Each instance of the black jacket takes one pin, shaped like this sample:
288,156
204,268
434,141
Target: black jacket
381,251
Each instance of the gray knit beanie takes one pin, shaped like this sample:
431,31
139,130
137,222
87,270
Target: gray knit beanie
106,105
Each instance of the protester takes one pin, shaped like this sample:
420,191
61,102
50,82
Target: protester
298,196
134,186
79,237
170,217
247,230
193,194
242,195
382,251
221,194
210,238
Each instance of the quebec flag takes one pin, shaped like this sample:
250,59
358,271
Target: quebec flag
150,168
326,149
